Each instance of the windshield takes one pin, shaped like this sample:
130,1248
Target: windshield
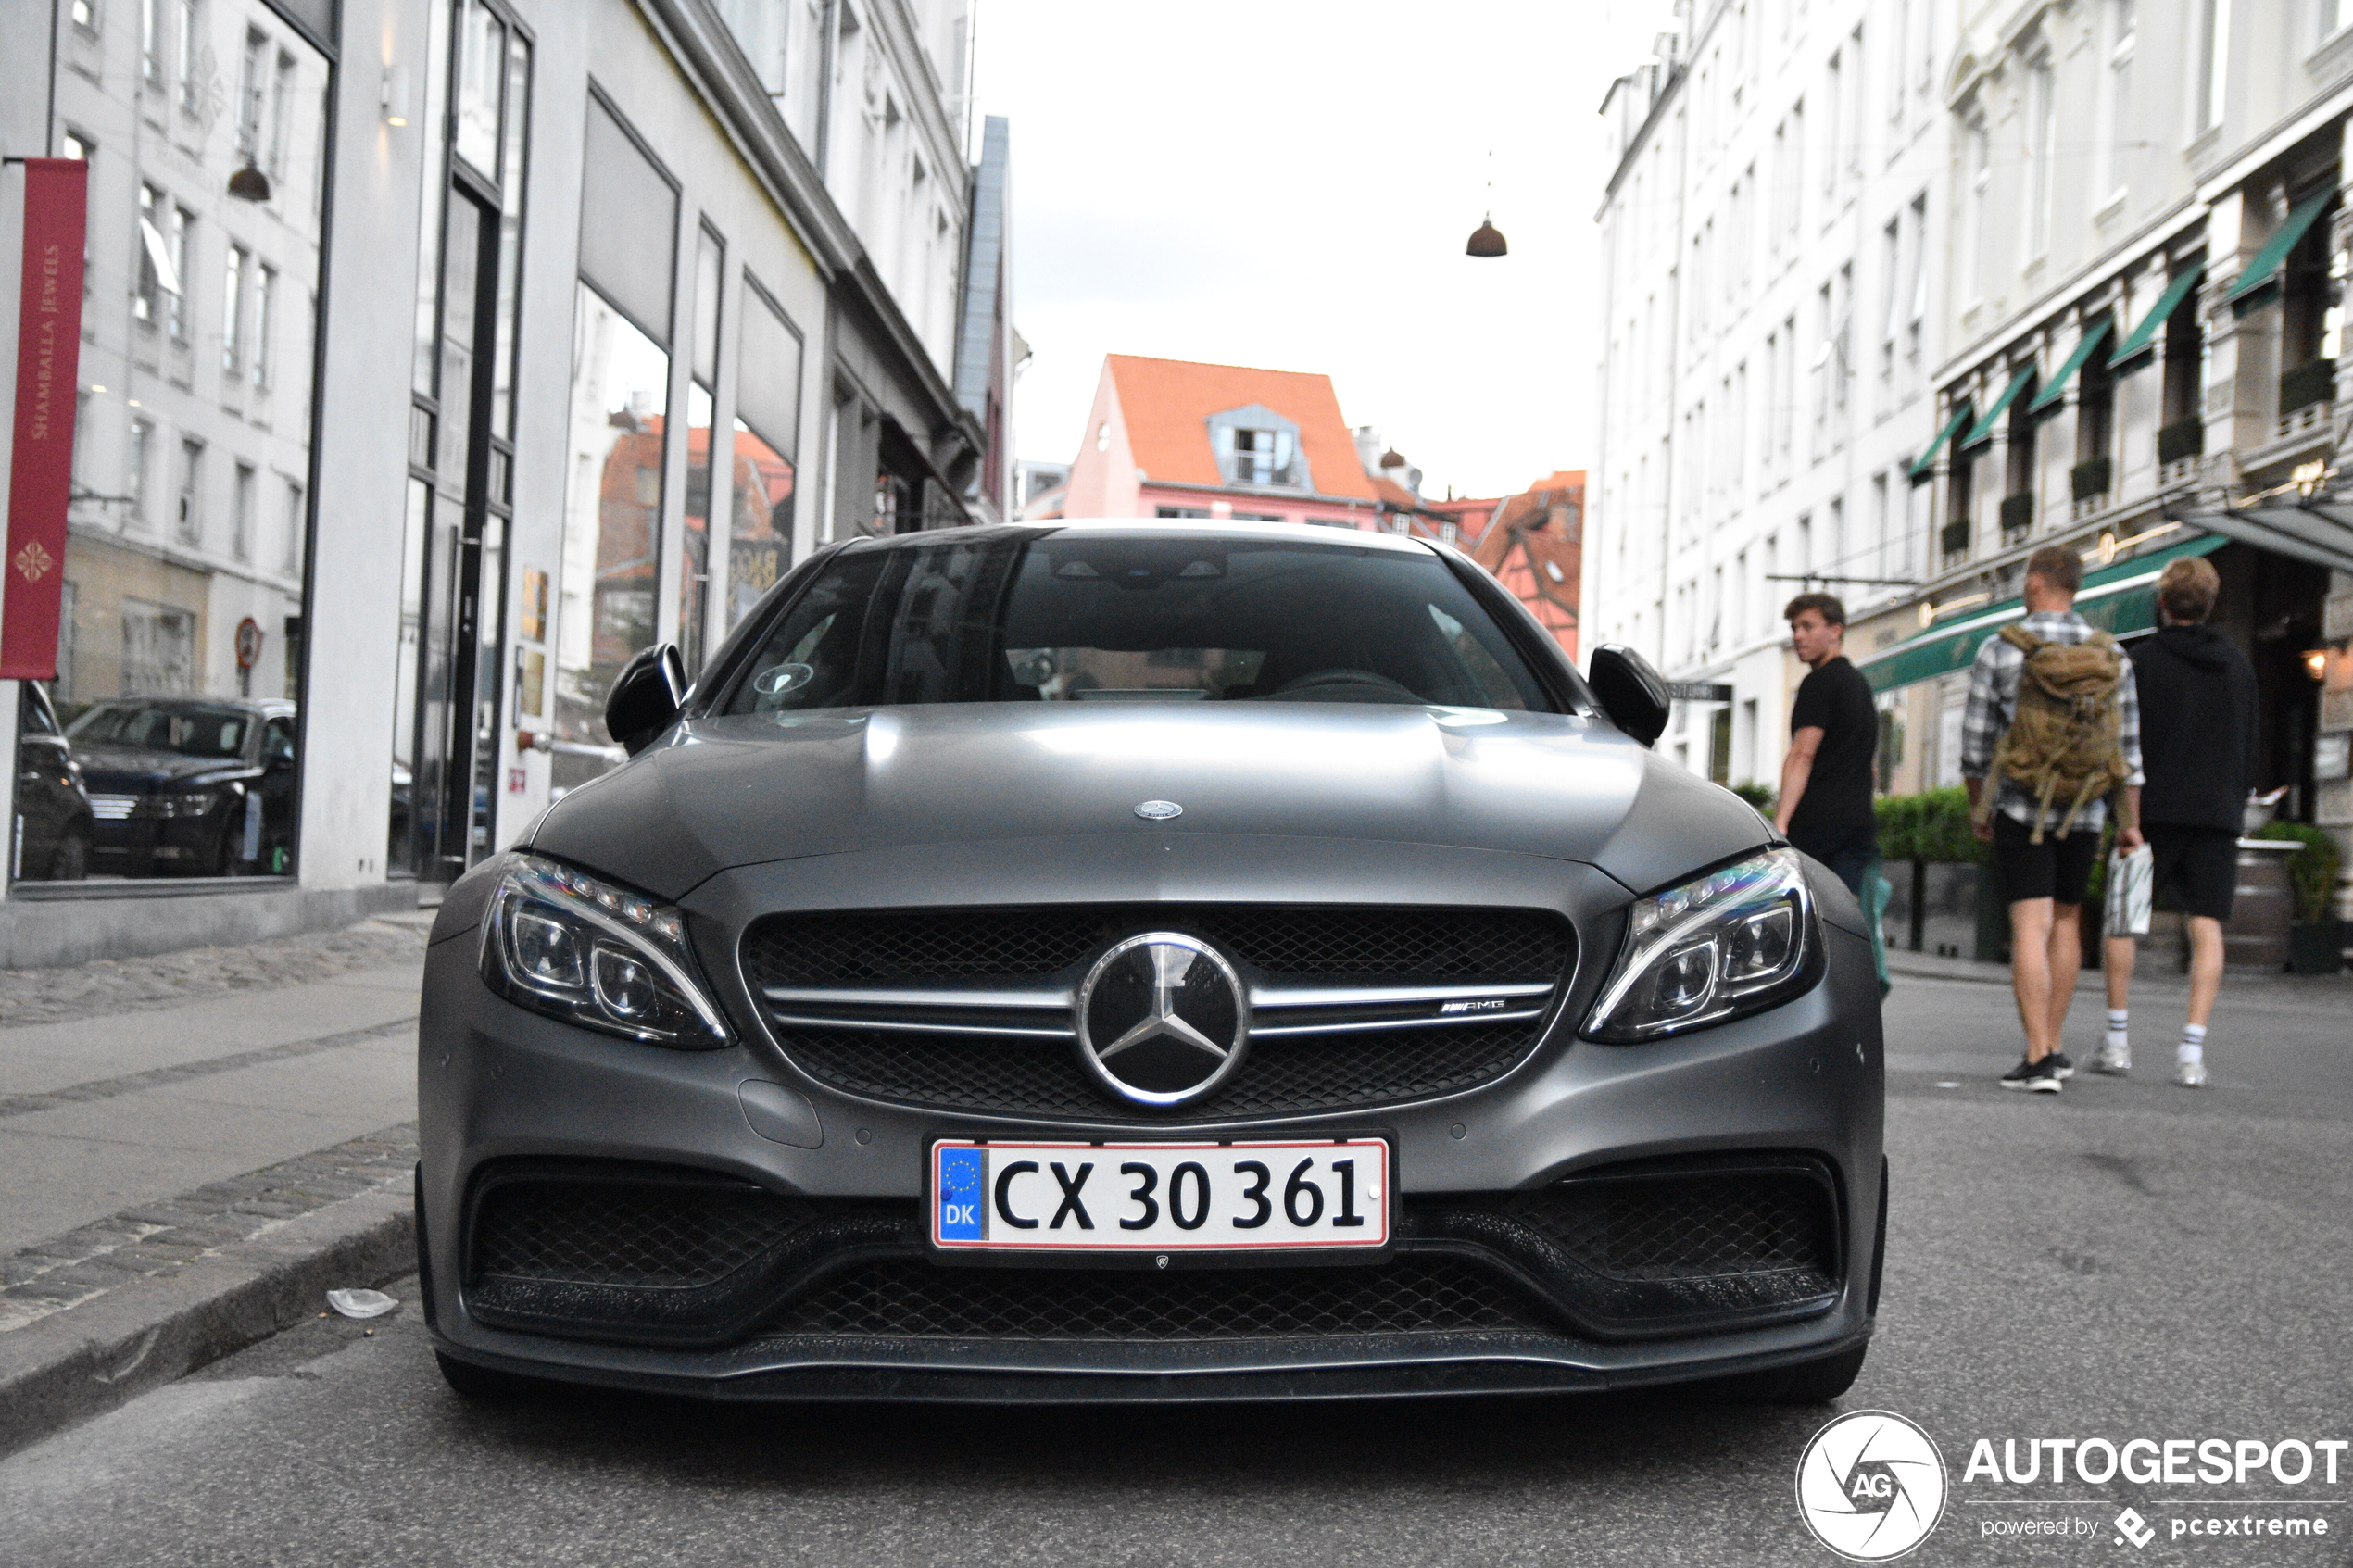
1148,619
190,730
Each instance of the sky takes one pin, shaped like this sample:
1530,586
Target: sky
1290,183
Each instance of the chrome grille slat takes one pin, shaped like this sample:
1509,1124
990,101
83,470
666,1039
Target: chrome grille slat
971,1010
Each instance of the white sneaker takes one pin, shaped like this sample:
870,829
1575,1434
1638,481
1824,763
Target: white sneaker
2190,1074
2113,1058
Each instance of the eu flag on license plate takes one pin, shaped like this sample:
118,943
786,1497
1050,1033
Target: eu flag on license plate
964,1194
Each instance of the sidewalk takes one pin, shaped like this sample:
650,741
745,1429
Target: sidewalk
2150,978
185,1141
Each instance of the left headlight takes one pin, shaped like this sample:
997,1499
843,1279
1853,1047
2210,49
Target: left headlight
1736,941
561,942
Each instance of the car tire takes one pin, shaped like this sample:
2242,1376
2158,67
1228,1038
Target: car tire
1808,1382
482,1386
70,860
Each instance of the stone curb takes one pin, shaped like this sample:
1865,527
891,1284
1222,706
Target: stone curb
66,1368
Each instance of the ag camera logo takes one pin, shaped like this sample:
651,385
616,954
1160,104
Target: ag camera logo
1870,1485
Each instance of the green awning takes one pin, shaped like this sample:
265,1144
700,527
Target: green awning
1984,426
2120,599
1924,465
2265,268
2084,347
2175,292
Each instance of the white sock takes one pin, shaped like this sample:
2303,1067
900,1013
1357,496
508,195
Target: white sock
2116,1027
2193,1041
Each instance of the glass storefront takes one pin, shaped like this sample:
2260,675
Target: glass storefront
179,655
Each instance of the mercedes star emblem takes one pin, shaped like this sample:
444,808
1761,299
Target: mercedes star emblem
1158,810
1162,1019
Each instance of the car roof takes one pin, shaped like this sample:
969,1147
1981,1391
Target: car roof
267,707
1157,528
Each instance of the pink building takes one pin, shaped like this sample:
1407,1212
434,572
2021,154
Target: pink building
1169,438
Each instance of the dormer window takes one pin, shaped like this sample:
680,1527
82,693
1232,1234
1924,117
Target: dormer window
1257,446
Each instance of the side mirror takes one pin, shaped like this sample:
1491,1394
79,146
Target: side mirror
645,697
1631,692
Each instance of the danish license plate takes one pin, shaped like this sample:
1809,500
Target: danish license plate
1159,1198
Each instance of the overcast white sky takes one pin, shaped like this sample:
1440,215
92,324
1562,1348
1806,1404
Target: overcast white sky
1291,183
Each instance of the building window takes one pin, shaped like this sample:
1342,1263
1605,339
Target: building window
282,94
265,317
143,437
232,311
1915,329
85,16
2042,147
176,249
1979,163
157,278
189,517
2312,309
151,41
2213,18
290,562
249,96
2123,36
192,86
241,520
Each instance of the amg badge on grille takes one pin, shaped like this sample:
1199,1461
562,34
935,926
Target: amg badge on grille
1158,810
1162,1019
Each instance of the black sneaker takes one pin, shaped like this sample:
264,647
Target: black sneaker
2037,1076
2060,1065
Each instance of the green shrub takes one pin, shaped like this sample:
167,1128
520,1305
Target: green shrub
2313,868
1933,825
1761,796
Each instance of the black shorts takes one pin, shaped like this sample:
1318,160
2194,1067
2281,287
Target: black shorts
2198,865
2058,868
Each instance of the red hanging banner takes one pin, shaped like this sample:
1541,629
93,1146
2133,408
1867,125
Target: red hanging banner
40,472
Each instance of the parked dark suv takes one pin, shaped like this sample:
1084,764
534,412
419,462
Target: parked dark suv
199,786
50,839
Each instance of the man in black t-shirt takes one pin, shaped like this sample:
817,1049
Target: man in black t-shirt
1826,777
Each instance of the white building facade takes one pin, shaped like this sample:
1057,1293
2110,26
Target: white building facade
1773,238
2144,318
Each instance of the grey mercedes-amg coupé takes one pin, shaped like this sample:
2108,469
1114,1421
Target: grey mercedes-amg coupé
1133,960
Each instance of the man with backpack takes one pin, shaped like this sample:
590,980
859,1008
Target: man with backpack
2201,757
2052,728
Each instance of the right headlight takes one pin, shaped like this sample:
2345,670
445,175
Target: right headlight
572,945
1736,941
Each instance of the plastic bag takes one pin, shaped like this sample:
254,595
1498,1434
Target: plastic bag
2124,904
361,1303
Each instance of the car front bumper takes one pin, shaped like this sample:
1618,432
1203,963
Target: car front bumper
501,1087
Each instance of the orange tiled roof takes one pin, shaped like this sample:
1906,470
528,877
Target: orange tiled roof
1165,403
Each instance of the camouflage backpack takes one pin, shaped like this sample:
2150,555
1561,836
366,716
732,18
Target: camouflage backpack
2065,741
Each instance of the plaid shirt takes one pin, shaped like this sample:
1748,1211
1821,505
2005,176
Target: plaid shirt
1992,699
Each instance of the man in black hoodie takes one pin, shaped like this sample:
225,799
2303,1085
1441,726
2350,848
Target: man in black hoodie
2197,747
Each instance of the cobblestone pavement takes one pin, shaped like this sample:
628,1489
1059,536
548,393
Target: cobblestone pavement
109,985
152,1239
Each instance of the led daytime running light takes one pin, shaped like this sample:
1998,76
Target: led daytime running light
650,933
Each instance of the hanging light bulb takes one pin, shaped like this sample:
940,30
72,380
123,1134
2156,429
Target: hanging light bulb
1487,239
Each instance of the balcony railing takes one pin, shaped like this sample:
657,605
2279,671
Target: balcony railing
2088,480
1954,539
2018,517
2180,440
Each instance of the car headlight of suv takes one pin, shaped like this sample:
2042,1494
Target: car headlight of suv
563,943
1737,940
188,803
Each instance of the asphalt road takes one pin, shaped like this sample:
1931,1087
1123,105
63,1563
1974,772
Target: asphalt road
2127,1261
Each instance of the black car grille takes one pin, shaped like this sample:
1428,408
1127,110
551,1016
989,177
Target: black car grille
906,1057
981,946
1410,1295
641,1254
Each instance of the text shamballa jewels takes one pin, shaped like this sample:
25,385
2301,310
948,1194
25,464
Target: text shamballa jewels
2165,1462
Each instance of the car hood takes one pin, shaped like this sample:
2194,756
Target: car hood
719,792
116,767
